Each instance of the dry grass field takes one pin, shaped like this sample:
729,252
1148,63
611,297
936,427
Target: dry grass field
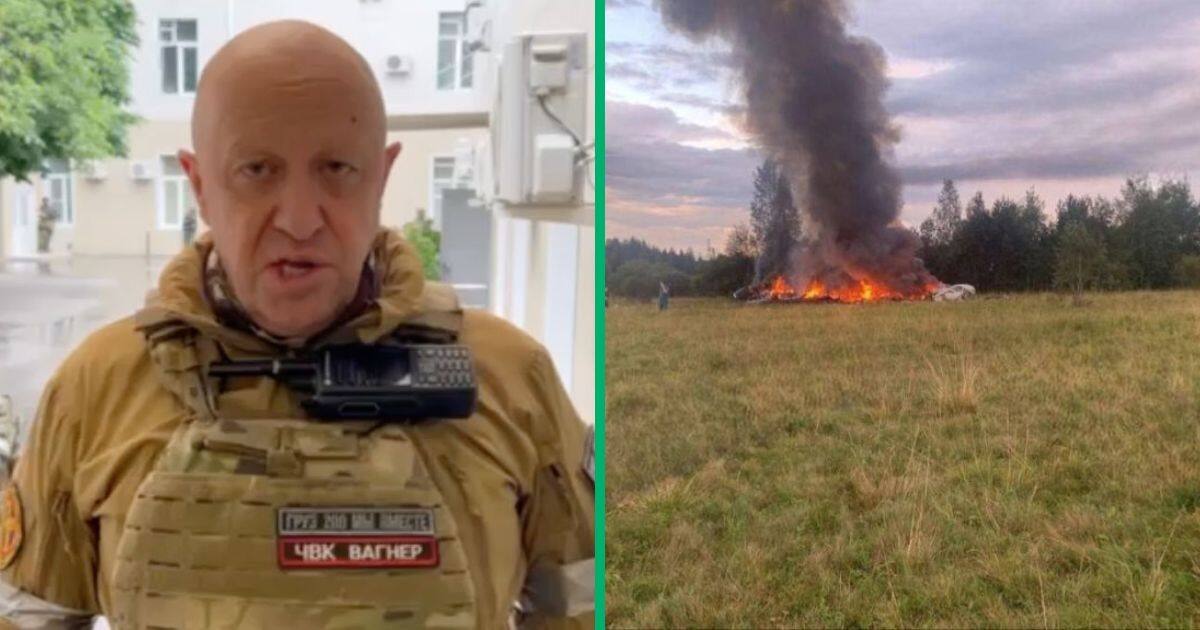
1015,461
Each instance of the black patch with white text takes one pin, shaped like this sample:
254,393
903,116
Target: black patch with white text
356,537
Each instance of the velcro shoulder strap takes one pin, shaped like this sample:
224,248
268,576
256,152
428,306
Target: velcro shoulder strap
176,349
439,318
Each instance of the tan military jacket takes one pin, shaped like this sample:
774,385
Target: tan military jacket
105,417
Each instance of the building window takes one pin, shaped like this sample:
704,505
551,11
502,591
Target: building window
455,67
443,178
61,191
179,62
175,194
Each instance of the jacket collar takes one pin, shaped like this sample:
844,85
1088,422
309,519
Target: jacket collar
182,296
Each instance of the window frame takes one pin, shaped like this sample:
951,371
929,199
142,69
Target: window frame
461,79
181,48
436,185
66,215
184,187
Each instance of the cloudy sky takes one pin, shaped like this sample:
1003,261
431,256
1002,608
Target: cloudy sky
1001,96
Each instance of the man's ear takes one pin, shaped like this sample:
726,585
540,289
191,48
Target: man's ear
389,156
187,160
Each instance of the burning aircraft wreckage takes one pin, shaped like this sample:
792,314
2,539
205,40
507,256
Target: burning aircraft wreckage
779,291
814,104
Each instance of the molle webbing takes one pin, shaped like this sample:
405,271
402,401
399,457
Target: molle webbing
181,356
200,545
200,548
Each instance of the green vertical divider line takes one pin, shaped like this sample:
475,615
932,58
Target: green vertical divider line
600,396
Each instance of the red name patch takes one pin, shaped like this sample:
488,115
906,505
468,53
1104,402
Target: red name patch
356,537
320,552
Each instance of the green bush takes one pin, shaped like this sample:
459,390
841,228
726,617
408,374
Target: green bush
428,243
1187,271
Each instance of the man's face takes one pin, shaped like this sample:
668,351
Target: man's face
289,178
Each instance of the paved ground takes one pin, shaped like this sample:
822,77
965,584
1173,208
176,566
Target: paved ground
47,308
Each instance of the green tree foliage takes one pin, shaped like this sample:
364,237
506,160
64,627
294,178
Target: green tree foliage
1187,271
617,252
976,206
1148,238
1004,249
939,231
1142,239
639,279
1080,259
939,228
633,268
733,268
428,242
741,242
1099,217
63,80
1038,261
1158,227
774,220
724,274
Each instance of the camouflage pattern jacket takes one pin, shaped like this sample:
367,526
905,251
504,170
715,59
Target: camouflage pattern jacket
513,503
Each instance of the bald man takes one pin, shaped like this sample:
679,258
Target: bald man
160,495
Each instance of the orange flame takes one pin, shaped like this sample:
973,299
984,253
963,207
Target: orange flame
866,290
780,289
815,290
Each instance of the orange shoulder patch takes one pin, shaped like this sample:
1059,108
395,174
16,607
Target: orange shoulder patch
11,525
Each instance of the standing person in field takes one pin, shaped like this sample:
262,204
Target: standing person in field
161,496
663,295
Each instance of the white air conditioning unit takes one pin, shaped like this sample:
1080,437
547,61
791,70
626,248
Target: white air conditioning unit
93,170
539,120
141,170
399,65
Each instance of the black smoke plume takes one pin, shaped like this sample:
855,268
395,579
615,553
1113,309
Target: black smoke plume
814,101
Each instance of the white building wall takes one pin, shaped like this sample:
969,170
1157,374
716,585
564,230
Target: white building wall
376,28
118,215
5,217
145,79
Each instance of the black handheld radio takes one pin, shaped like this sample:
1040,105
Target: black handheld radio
360,382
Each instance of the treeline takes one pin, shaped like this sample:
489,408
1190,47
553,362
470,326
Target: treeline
633,268
1146,238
